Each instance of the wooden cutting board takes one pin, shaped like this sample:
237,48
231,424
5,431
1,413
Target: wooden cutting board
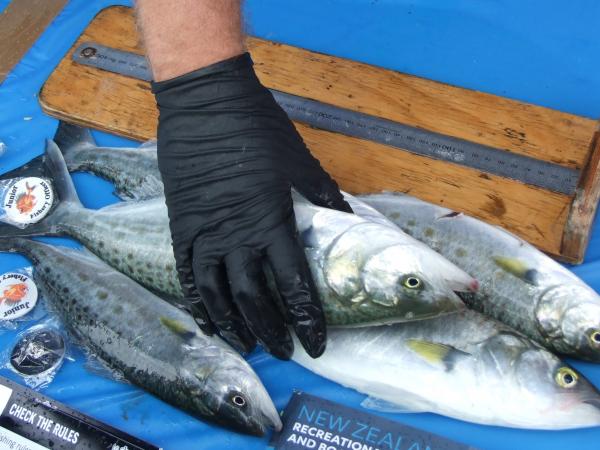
558,224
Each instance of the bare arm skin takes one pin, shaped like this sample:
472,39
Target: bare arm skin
184,35
226,151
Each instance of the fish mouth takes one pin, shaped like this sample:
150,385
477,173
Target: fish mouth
595,402
466,286
266,422
272,419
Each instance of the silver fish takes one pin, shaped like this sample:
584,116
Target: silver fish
134,171
366,273
519,285
153,344
463,365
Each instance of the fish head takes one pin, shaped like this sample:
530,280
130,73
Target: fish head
229,391
554,393
569,317
441,270
397,279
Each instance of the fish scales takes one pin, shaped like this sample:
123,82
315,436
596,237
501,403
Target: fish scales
134,240
143,183
369,273
134,171
114,319
151,343
519,285
463,365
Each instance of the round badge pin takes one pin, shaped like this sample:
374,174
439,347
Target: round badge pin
18,295
28,200
38,352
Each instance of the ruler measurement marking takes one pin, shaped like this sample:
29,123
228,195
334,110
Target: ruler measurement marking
328,117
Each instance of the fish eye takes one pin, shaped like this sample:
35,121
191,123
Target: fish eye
566,377
595,337
237,400
412,282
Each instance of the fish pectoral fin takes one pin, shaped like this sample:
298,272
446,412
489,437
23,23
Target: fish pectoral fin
177,328
435,353
518,268
376,404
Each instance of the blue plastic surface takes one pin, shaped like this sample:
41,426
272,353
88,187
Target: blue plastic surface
541,51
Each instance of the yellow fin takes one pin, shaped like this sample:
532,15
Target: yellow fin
434,353
429,351
176,327
517,267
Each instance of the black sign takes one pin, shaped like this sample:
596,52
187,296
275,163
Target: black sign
311,422
31,421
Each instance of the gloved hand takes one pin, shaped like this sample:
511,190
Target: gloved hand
229,155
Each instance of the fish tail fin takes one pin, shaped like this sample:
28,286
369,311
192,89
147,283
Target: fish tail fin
66,198
72,141
56,168
17,245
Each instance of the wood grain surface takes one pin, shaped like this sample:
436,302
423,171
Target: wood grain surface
551,221
21,23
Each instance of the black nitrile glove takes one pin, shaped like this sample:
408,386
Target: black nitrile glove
229,155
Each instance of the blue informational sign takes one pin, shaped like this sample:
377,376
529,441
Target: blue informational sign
311,422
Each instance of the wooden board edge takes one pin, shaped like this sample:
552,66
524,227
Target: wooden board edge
89,123
583,208
15,17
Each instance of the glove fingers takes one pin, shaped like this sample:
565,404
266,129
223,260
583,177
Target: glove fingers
213,287
200,315
252,297
318,187
296,287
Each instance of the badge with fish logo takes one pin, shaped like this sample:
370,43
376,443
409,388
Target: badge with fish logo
18,295
27,200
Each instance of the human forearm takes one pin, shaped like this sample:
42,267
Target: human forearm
185,35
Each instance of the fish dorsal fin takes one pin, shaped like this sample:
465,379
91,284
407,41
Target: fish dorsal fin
518,268
376,404
435,353
450,215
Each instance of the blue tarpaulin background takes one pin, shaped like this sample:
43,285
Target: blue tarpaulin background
541,51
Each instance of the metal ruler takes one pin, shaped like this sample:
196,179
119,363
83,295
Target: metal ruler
364,126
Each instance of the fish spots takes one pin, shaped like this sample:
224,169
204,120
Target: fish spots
169,267
395,216
429,232
101,244
82,276
460,252
118,309
485,176
65,290
129,255
495,206
102,295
